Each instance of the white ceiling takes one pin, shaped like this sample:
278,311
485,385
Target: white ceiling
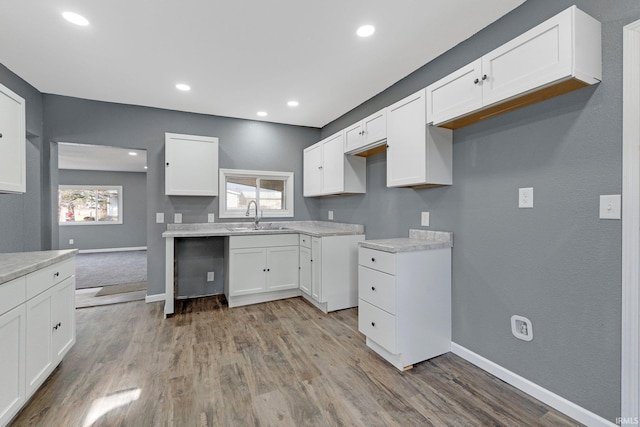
100,158
238,56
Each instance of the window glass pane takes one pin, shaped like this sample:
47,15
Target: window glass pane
107,204
240,191
86,204
76,205
272,194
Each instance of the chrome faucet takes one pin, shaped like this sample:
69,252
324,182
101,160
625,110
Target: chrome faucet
256,220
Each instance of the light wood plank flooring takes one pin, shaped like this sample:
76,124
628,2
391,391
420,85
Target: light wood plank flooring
276,364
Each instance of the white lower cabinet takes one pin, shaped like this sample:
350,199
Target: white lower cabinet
37,329
261,268
405,304
329,279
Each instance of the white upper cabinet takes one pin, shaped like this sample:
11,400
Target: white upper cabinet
417,154
327,170
191,165
12,142
366,134
560,55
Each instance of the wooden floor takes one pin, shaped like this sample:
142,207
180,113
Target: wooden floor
276,364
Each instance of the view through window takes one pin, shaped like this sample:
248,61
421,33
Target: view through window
80,204
272,191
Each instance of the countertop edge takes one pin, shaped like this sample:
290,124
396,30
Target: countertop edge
37,264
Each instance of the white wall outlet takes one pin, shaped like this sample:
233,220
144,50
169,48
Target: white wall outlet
177,218
424,219
210,276
71,241
211,217
159,217
610,206
525,197
330,215
521,328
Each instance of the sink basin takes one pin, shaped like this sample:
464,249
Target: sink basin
241,229
260,228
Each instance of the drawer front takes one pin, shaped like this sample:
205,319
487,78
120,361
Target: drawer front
41,280
378,325
305,240
377,288
12,294
378,260
263,241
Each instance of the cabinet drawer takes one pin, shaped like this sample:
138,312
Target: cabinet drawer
378,260
263,241
12,294
305,241
377,325
377,288
41,280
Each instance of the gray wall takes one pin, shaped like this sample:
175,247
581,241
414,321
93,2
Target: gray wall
244,144
557,264
21,216
133,230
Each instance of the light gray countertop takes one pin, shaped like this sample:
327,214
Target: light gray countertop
221,229
17,264
418,240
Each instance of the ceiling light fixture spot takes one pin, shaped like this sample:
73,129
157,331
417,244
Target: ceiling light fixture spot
76,19
262,113
293,103
183,87
366,30
133,153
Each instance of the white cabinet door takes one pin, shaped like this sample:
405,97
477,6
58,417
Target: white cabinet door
333,164
191,165
457,94
38,341
316,268
374,127
282,268
12,142
305,270
312,166
247,271
12,368
64,319
353,137
537,57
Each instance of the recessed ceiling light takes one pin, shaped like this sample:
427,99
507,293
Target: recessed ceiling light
74,18
183,87
146,167
133,153
366,30
293,103
262,113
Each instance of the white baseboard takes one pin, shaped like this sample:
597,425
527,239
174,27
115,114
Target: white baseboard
93,251
154,298
559,403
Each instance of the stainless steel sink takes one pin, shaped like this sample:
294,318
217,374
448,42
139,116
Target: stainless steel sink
254,229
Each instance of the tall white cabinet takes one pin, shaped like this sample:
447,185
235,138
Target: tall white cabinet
12,142
191,165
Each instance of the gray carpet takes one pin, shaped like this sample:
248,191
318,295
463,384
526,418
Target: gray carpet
110,268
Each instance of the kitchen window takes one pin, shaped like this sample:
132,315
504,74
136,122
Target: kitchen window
272,191
89,204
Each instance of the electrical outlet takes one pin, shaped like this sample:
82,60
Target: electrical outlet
521,328
525,197
160,217
610,206
210,276
71,241
424,219
330,215
177,218
211,217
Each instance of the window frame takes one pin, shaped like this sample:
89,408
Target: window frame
94,187
287,177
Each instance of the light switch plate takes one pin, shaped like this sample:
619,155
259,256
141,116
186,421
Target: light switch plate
211,217
525,197
160,217
424,219
71,241
177,218
610,206
330,215
210,276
